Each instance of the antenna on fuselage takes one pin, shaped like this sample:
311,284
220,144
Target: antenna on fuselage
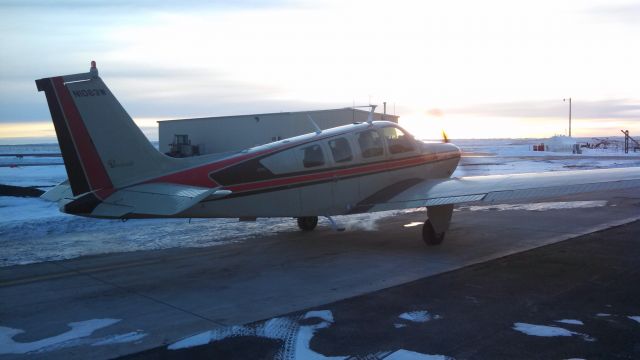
373,109
315,126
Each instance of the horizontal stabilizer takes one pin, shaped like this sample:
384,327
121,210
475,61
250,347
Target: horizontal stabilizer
58,192
158,199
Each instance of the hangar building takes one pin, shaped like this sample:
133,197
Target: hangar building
227,133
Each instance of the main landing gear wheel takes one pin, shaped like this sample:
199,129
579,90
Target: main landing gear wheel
307,223
429,234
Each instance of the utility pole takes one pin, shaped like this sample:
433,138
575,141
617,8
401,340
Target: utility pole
569,115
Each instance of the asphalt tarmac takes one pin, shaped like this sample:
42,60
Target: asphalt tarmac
587,286
141,302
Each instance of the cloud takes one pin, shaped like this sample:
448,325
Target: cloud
599,109
127,5
627,13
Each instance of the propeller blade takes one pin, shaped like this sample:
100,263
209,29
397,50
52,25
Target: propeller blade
445,138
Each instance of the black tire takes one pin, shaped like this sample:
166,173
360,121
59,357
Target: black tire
307,223
429,234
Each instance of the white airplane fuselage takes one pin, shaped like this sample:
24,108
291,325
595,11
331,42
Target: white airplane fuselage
274,180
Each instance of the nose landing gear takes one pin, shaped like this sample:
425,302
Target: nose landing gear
439,218
429,234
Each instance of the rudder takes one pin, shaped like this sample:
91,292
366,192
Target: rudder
101,146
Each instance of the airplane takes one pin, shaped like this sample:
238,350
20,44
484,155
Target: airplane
114,172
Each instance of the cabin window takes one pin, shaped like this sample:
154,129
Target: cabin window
397,140
312,156
370,144
340,150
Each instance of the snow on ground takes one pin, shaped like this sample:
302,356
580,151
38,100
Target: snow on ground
296,333
281,328
547,331
570,321
52,148
634,318
39,176
418,316
78,330
33,230
412,355
50,235
79,334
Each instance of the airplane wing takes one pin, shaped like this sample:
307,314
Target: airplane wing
501,188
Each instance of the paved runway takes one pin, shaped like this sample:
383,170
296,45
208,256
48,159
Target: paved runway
126,303
576,299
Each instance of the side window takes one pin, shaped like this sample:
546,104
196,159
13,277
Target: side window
312,156
370,144
282,162
340,150
397,140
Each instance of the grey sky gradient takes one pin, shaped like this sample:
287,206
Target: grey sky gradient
601,109
195,58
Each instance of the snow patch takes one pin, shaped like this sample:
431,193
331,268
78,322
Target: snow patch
18,209
634,318
325,315
49,175
120,338
78,330
547,331
603,314
542,330
570,321
193,341
295,337
403,354
418,316
399,326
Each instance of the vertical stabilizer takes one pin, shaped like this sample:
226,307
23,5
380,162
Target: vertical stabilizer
102,147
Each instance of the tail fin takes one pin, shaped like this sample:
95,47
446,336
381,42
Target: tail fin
102,147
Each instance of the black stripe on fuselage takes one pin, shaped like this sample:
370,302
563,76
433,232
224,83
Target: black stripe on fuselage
75,173
301,184
248,171
383,195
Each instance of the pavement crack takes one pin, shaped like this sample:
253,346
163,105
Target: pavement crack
140,294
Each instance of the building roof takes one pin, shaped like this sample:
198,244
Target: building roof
280,113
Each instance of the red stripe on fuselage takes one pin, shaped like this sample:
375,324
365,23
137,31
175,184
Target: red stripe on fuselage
330,174
199,176
92,164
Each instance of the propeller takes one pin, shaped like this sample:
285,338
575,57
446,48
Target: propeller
445,138
460,170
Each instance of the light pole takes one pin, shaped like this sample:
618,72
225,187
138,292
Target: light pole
569,114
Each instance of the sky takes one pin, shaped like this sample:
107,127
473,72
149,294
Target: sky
476,69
